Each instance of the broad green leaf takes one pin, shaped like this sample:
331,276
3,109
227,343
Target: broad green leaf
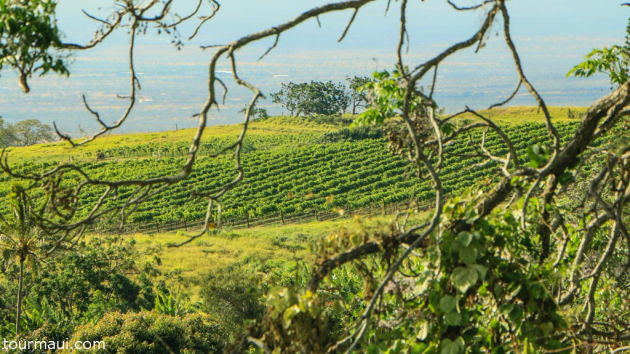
565,178
468,255
464,238
461,343
453,318
418,348
494,324
482,270
514,289
547,328
505,309
373,349
464,278
448,303
449,347
498,290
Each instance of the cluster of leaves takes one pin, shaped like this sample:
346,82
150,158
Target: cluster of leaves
356,133
386,97
302,321
167,303
231,297
29,39
20,241
614,62
259,113
481,290
469,292
358,96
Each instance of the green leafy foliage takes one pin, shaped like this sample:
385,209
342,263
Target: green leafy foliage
305,322
30,39
172,305
538,155
79,286
152,333
471,292
21,241
358,96
613,62
230,296
386,98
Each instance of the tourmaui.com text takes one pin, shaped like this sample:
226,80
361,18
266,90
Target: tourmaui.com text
50,345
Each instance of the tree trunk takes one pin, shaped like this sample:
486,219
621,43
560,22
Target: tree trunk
23,83
19,298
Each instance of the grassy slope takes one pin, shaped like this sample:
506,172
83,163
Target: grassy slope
277,125
61,150
515,115
265,245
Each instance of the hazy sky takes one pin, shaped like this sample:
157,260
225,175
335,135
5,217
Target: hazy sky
552,36
430,20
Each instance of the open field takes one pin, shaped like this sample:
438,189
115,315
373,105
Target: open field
266,245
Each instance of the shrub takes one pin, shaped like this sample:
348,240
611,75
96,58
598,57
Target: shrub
152,333
232,297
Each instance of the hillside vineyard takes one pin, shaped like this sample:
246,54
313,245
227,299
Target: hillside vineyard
322,175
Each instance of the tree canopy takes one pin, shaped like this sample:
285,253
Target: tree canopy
312,98
25,133
30,41
322,98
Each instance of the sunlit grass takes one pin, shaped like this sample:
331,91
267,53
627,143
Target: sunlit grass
254,246
62,151
516,115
